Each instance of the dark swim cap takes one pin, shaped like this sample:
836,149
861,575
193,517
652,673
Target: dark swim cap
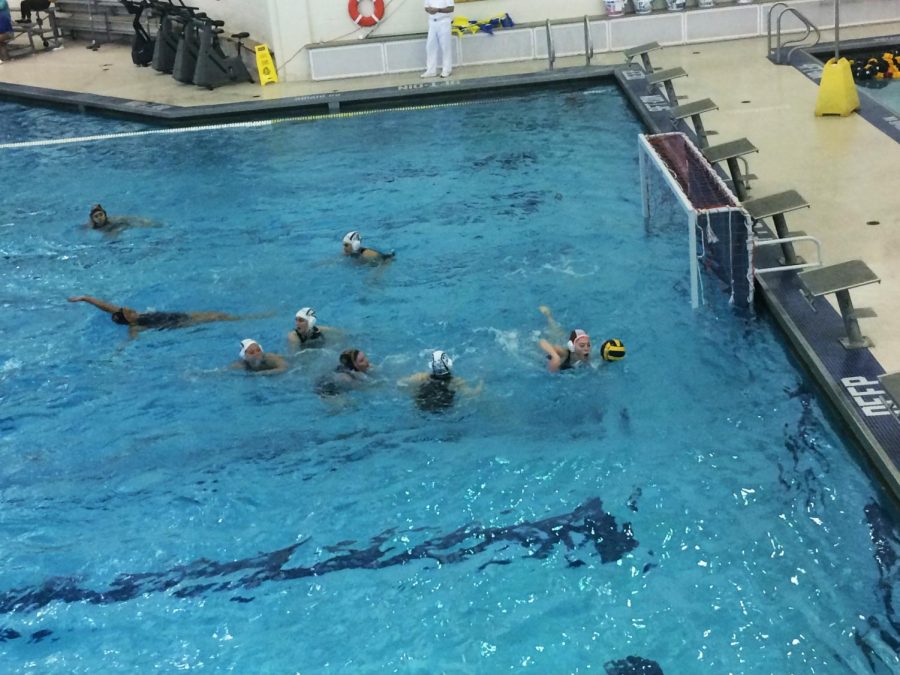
119,316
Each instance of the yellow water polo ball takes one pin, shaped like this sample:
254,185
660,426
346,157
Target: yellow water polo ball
612,350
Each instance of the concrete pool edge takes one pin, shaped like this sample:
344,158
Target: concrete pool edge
402,95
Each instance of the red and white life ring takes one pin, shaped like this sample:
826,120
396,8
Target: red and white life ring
364,19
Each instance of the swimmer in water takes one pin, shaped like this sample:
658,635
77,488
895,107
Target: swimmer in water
137,321
351,373
306,333
101,221
255,360
435,391
353,247
576,351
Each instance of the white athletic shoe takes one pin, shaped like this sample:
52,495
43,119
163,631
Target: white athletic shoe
446,73
428,73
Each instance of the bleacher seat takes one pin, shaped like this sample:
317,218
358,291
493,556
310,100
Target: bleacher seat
111,20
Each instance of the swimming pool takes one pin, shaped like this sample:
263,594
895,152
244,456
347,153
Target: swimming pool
887,95
691,506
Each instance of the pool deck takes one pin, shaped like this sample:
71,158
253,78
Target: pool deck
845,168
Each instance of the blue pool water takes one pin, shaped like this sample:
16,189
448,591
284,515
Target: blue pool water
691,506
887,94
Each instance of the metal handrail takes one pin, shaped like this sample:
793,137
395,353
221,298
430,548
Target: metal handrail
800,41
778,44
769,25
588,42
784,240
743,160
551,50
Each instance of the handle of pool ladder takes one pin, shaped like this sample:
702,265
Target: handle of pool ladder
757,242
588,42
551,50
809,297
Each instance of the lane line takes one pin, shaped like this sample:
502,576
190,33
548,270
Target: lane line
230,125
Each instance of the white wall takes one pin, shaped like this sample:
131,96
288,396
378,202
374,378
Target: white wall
303,22
239,16
402,17
289,26
291,32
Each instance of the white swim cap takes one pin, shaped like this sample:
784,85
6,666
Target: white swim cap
576,334
245,345
354,240
441,363
308,314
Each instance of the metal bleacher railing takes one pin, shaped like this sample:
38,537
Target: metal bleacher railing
96,20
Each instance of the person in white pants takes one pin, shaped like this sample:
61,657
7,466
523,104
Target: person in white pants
440,18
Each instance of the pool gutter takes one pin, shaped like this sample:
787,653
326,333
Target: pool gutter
406,95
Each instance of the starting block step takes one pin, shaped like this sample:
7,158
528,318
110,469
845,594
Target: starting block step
891,384
695,108
840,277
781,202
730,150
666,75
641,49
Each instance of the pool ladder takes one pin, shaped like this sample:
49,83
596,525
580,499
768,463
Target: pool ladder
588,44
776,54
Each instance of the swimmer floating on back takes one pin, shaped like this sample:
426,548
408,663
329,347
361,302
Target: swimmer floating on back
160,320
436,390
306,333
353,247
255,360
576,351
103,222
